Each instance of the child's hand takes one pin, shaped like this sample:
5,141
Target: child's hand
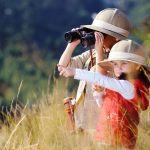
66,71
74,43
99,43
59,67
97,88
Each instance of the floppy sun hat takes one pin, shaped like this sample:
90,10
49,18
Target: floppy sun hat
111,21
126,50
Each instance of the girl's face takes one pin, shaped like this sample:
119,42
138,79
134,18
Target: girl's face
121,66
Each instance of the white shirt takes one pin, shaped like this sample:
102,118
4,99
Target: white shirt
124,87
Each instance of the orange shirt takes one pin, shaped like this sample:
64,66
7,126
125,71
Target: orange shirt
119,118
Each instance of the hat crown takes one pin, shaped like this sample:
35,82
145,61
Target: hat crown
111,21
128,46
114,17
128,50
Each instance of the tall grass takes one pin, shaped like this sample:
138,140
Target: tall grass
45,127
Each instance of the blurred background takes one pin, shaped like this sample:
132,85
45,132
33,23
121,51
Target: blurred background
32,40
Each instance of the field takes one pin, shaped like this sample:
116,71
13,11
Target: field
45,127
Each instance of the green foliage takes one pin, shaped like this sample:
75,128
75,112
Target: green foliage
43,21
136,10
29,67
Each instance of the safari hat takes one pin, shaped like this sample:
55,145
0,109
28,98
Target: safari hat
127,50
111,21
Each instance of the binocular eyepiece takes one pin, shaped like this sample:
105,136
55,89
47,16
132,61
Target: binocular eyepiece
86,36
88,40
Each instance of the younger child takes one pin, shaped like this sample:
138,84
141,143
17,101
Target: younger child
123,97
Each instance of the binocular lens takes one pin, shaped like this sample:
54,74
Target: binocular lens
71,36
88,40
84,43
68,37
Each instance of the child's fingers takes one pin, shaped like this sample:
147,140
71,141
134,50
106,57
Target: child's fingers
60,67
62,72
97,88
94,87
99,35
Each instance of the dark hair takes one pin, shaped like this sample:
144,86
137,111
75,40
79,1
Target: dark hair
123,76
144,76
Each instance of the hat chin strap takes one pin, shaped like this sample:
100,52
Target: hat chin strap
108,26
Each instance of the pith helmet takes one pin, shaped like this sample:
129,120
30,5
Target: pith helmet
127,50
111,21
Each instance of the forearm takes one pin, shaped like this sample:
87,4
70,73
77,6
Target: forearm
99,47
99,58
66,56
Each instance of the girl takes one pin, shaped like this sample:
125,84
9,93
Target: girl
123,97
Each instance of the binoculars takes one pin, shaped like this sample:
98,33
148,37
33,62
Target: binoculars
86,36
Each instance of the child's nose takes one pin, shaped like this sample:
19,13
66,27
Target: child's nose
119,68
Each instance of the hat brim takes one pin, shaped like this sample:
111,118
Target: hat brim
111,33
106,63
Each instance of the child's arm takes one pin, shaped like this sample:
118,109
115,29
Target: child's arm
99,44
66,56
124,87
78,61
